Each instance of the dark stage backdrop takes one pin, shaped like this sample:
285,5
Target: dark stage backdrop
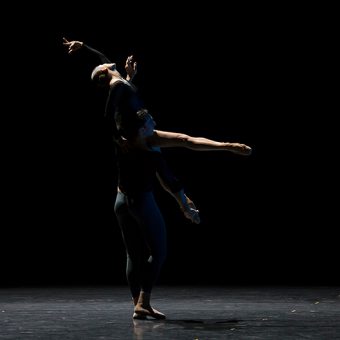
232,75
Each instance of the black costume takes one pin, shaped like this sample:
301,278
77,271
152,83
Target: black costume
141,222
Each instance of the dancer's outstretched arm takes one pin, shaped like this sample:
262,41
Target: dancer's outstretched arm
166,139
75,45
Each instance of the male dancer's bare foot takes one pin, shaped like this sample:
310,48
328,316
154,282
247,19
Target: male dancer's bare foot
141,311
143,307
136,316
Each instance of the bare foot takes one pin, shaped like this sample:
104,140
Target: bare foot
136,316
148,311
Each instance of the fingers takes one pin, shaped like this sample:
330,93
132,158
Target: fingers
65,41
69,44
72,47
129,59
193,216
242,149
196,217
246,150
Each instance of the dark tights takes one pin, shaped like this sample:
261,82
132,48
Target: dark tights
144,235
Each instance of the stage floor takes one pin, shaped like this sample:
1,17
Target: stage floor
193,312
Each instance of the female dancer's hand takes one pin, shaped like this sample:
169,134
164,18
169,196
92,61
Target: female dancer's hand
130,68
72,45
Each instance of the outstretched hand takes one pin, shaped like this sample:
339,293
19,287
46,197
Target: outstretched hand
191,213
73,45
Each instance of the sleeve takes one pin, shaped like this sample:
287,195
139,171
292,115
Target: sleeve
103,59
167,177
111,106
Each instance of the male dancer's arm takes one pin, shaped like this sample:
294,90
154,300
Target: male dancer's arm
186,205
174,187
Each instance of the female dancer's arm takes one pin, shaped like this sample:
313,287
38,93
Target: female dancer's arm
75,45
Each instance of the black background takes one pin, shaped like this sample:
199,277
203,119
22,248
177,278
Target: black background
250,74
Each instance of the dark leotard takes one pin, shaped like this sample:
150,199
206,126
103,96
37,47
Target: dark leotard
122,102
